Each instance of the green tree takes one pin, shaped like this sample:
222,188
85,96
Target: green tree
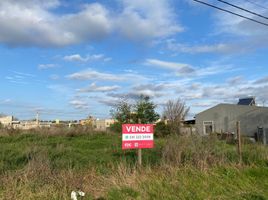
116,127
122,111
144,110
162,129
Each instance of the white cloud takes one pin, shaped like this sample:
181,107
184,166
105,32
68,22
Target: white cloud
152,87
235,80
35,23
149,89
94,88
23,74
203,104
246,35
94,75
5,101
134,94
47,66
108,101
92,23
79,58
90,74
263,80
243,35
180,68
146,92
21,77
146,19
204,48
226,22
75,57
79,104
60,89
215,69
31,23
165,64
208,94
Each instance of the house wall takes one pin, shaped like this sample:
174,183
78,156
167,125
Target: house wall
27,125
103,124
187,130
100,125
225,116
6,121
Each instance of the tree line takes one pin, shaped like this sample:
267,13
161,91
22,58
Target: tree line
143,111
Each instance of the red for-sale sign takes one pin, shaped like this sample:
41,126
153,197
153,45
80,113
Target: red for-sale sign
137,136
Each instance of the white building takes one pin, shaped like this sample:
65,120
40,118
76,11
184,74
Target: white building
103,124
6,121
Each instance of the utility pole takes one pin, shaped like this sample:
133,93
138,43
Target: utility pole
263,103
37,119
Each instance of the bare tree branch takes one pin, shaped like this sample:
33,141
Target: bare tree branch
175,112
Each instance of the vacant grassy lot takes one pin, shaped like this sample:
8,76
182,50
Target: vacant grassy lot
68,152
47,167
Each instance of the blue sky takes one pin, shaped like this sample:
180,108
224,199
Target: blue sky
70,59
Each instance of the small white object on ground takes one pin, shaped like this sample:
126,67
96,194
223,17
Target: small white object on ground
82,194
74,194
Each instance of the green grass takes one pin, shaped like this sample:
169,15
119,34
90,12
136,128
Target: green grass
217,183
47,167
69,152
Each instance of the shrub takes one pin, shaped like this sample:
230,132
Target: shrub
161,129
9,131
116,127
197,151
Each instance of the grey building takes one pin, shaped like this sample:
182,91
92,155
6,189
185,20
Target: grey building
222,118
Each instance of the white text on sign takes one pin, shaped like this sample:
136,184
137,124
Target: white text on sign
138,129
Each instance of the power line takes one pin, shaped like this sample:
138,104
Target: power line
210,5
256,4
230,4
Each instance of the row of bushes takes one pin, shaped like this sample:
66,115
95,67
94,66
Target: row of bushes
55,130
161,129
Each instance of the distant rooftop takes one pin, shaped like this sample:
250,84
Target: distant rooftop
249,101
